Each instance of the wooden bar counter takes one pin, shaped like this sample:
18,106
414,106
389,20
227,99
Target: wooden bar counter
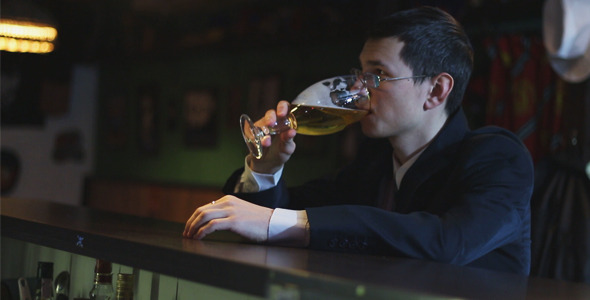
227,262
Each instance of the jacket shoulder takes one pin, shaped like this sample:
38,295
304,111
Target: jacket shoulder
494,144
496,137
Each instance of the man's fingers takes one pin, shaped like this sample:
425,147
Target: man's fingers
198,212
189,222
266,141
212,226
288,135
283,108
270,118
204,217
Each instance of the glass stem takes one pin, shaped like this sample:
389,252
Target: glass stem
281,125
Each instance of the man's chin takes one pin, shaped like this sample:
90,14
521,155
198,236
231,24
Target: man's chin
368,129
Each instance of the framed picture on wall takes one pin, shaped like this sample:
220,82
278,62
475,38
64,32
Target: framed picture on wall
148,119
200,118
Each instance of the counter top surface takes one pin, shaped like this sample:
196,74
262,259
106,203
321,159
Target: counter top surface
225,260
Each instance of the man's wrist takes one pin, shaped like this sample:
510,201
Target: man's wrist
251,181
261,167
289,228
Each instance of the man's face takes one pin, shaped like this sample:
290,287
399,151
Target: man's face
396,106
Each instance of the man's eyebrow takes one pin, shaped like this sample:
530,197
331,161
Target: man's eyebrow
375,63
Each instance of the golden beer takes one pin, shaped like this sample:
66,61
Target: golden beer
318,120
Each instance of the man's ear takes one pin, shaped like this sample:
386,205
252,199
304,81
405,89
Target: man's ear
442,84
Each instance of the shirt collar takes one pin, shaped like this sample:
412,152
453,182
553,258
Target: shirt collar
400,170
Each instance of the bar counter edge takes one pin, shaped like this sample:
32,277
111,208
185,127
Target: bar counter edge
229,262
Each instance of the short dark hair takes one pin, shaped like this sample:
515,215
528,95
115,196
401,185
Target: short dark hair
434,43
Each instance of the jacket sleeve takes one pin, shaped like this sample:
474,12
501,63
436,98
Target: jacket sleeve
485,195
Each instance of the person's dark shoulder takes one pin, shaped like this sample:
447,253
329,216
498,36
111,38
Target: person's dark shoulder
496,143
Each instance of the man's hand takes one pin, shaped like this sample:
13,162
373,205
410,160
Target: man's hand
277,149
230,213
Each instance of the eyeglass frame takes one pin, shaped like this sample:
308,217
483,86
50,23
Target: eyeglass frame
378,78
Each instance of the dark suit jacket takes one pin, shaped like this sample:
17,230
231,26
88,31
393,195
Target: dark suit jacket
465,201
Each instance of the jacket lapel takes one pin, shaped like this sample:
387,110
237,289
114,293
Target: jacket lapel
436,157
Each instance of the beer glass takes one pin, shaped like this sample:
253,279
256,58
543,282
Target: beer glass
325,107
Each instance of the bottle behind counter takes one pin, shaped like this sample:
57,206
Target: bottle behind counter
44,289
124,286
103,281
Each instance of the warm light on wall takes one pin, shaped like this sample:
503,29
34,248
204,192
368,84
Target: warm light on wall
17,36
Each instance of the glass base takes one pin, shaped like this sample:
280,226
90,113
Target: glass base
252,136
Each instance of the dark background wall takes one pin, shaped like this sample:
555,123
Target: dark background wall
248,81
244,55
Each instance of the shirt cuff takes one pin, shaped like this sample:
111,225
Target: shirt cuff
252,182
289,228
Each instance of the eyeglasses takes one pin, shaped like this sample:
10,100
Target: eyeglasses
371,80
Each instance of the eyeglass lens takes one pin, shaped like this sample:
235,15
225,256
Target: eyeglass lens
368,79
